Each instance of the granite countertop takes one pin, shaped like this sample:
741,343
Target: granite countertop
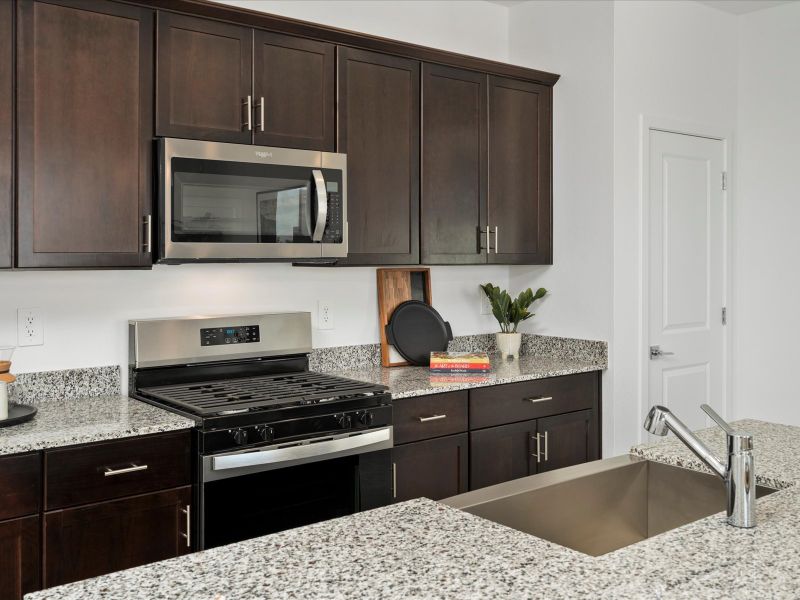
88,419
423,549
405,382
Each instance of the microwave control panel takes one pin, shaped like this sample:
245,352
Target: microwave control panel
221,336
334,223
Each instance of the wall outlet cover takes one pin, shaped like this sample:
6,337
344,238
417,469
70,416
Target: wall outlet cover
324,315
30,328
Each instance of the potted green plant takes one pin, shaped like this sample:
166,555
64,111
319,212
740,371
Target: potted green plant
510,313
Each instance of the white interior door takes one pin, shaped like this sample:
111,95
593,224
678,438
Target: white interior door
686,274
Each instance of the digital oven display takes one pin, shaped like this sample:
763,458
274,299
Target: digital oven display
220,336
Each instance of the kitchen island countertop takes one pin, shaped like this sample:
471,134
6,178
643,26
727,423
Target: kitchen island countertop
423,549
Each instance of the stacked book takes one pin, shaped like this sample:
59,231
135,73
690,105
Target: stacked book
471,363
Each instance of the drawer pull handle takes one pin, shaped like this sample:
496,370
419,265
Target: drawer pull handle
132,469
431,418
536,399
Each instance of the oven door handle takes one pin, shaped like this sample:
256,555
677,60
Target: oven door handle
275,456
322,205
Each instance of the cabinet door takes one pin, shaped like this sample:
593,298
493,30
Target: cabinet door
19,557
502,453
100,538
454,166
6,133
295,92
84,109
204,78
378,108
520,149
432,469
568,439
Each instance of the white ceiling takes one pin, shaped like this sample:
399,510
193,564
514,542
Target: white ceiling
737,7
740,7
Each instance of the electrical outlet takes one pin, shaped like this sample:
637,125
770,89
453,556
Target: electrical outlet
30,330
324,315
486,307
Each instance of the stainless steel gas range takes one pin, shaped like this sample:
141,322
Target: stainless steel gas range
276,445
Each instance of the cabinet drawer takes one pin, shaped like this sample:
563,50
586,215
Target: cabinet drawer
514,402
426,417
20,485
115,469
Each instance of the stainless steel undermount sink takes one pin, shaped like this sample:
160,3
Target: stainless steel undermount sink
601,506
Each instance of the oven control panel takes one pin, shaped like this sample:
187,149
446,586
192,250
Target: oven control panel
220,336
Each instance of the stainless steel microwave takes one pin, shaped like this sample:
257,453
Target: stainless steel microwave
232,202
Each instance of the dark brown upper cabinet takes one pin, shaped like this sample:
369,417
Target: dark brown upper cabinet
294,92
520,149
204,71
84,120
379,123
454,166
6,133
227,83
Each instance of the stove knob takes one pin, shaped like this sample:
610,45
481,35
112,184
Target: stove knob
266,432
345,421
240,436
366,418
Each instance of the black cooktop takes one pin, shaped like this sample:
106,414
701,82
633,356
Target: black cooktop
260,393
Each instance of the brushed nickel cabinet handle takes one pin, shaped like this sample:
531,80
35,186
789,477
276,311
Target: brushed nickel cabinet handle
431,418
538,448
148,234
188,535
535,399
132,469
248,106
260,107
496,238
394,481
546,458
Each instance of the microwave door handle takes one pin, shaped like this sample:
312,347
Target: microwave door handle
322,205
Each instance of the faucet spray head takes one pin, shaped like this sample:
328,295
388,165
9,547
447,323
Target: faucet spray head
656,420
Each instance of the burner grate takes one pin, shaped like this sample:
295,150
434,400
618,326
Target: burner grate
263,392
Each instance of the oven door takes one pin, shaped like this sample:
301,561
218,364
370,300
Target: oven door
230,202
264,490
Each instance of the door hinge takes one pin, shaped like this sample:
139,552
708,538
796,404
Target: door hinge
724,315
724,180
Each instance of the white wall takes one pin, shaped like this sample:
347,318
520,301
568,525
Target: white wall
575,39
465,26
674,60
766,216
85,312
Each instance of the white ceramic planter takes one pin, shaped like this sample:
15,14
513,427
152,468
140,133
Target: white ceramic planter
509,344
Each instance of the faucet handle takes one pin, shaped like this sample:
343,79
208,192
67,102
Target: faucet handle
717,419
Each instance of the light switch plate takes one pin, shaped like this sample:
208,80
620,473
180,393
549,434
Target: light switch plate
30,328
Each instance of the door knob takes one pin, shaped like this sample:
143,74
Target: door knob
656,352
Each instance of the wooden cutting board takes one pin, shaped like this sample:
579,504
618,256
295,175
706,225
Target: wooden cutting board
396,286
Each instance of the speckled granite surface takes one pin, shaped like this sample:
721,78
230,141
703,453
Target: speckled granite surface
776,449
405,382
83,420
422,549
58,386
367,356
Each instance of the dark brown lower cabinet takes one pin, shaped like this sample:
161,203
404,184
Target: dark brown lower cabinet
109,536
499,454
571,440
502,453
19,557
432,469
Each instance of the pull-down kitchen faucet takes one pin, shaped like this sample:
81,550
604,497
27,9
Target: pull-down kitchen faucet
738,475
